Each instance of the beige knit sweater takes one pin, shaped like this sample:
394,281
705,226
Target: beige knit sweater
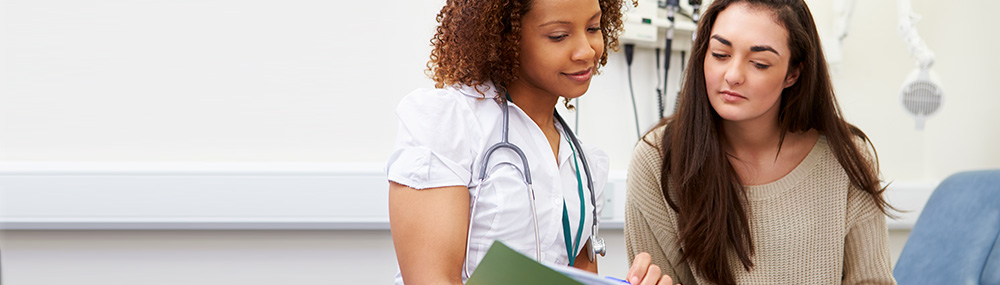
809,227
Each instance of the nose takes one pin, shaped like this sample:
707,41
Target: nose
735,75
584,49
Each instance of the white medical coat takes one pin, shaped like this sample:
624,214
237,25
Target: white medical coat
441,139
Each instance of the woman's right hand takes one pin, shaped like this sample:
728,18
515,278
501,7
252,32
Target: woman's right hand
644,272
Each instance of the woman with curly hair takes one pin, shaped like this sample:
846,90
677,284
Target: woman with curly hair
757,178
488,57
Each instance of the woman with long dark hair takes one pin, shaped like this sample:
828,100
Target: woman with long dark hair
757,178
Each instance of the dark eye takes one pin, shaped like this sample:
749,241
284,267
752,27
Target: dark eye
594,29
761,66
558,37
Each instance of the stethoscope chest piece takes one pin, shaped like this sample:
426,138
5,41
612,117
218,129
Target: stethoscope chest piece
597,246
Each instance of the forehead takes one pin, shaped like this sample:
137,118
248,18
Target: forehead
547,10
746,26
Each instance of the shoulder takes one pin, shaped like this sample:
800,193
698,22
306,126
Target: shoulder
645,192
431,101
454,108
649,148
867,149
861,204
858,143
647,158
645,171
438,136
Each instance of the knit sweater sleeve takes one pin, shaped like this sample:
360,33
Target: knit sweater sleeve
643,176
639,238
649,223
866,253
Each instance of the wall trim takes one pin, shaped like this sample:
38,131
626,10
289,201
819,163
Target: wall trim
245,196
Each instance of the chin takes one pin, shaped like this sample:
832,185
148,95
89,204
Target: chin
572,94
578,92
733,115
729,117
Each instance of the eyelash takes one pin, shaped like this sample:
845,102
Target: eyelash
563,36
757,65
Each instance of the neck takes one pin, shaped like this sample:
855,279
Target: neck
538,104
751,138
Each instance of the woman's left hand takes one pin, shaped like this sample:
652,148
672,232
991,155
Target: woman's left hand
644,272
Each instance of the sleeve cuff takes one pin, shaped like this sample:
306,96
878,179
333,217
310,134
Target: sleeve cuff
420,168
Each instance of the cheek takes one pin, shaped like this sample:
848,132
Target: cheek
773,84
531,56
769,90
712,76
541,64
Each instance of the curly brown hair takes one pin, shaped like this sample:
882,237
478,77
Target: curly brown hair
478,41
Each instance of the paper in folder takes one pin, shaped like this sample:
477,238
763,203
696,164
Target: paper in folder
503,265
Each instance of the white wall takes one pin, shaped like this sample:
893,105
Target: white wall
302,81
208,80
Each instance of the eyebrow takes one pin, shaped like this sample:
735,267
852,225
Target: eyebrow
763,48
598,14
759,48
722,40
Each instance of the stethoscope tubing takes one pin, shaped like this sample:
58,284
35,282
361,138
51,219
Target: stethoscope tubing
505,143
526,177
586,168
534,216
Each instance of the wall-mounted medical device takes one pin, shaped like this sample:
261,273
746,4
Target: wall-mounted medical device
646,25
921,91
665,28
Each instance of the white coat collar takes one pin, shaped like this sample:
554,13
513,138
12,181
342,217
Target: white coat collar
487,88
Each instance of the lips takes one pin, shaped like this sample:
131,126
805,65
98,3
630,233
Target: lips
581,76
731,96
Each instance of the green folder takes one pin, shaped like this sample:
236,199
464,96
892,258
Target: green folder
503,265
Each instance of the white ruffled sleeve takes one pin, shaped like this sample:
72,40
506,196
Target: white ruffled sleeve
435,141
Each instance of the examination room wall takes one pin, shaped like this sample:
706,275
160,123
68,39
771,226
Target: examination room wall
317,82
149,82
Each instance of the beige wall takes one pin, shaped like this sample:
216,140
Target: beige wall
962,135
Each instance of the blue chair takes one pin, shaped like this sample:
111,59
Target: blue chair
955,240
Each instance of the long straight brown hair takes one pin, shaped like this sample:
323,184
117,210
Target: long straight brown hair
707,194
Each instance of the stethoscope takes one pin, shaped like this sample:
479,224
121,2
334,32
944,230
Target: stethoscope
596,244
